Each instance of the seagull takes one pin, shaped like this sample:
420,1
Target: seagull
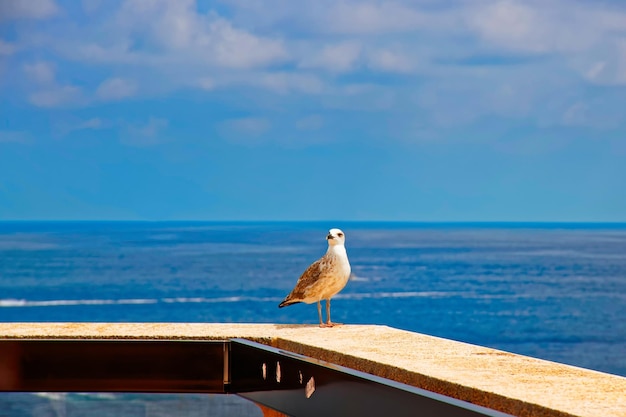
324,278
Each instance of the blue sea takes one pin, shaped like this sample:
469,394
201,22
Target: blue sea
552,291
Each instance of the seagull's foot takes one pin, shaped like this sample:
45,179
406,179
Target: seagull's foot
330,324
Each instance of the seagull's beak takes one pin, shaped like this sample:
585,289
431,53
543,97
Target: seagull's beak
329,237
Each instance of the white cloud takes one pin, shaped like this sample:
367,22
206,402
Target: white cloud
348,17
40,72
249,126
27,9
94,123
56,96
360,17
390,61
7,48
460,60
206,83
510,23
147,134
165,23
70,125
89,124
595,112
509,91
165,45
596,70
177,31
150,129
48,92
535,26
238,49
611,70
116,89
91,6
114,53
363,97
278,82
287,82
575,115
339,57
312,122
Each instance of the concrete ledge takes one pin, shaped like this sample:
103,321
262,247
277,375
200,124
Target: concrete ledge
514,384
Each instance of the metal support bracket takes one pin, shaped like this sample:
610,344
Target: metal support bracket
301,386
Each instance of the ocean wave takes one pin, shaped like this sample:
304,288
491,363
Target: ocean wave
234,299
54,396
65,396
17,303
56,303
22,303
395,294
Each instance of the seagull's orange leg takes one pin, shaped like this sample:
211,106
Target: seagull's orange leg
328,322
319,313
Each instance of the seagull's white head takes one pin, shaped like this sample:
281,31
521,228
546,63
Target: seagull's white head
335,237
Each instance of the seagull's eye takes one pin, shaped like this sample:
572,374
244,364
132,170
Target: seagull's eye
339,234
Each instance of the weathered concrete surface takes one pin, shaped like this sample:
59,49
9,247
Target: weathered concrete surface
515,384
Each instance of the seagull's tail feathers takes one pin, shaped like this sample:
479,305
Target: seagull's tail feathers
287,302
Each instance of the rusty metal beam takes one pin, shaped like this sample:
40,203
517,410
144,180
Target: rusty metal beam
112,366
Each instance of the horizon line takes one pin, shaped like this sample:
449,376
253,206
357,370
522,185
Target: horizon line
573,222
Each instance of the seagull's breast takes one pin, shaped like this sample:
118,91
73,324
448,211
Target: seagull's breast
334,273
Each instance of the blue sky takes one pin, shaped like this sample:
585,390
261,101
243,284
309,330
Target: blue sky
454,110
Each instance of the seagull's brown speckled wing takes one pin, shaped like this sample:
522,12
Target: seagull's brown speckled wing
306,280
